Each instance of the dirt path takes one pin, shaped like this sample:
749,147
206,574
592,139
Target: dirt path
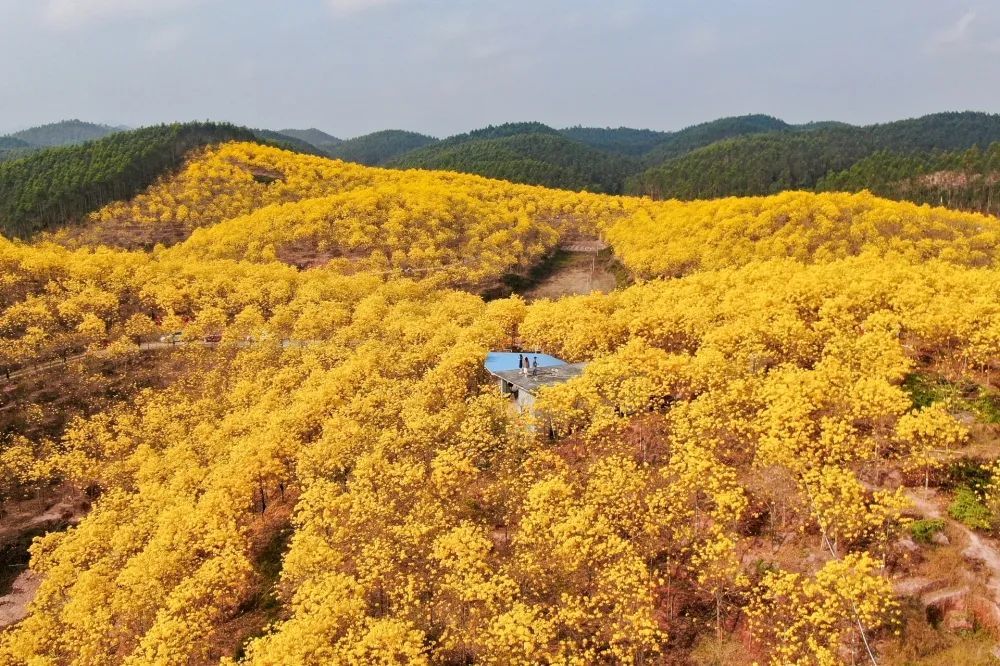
580,273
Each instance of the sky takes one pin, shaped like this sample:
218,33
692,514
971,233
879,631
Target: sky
350,67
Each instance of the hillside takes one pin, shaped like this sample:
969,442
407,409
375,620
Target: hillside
966,180
784,444
64,133
12,143
619,141
704,134
475,333
379,148
655,147
256,203
767,163
11,148
499,132
61,185
524,153
245,201
759,164
487,133
677,238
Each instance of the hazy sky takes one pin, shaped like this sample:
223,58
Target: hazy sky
353,66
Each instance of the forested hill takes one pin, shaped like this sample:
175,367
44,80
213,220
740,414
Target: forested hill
525,153
966,179
743,155
316,137
619,141
487,133
656,147
592,158
500,132
11,147
776,161
704,134
378,148
10,143
58,185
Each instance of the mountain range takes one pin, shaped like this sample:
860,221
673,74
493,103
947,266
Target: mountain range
54,173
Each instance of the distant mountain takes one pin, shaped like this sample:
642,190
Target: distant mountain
619,141
11,148
316,137
799,159
64,133
10,142
379,148
286,141
524,153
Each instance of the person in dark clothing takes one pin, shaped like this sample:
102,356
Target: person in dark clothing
534,365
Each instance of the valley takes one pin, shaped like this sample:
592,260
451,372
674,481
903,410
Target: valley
782,446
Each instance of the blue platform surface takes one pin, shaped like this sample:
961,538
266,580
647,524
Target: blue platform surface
501,361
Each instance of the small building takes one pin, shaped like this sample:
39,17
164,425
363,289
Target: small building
523,388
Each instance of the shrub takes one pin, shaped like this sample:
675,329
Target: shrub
924,390
987,407
924,530
970,510
971,474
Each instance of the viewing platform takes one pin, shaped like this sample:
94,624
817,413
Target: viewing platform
523,387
